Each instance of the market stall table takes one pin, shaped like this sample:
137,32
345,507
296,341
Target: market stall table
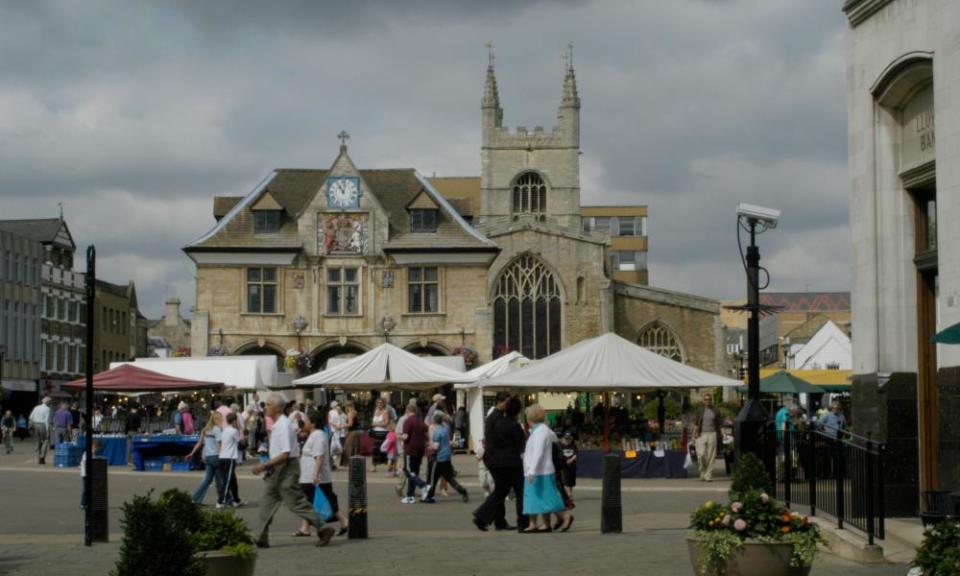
162,448
113,447
645,464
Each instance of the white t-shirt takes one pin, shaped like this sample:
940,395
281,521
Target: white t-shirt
40,415
308,464
283,438
228,443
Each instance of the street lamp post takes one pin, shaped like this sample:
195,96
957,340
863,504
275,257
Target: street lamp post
3,350
753,416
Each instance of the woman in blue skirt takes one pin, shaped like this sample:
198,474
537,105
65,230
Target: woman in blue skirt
540,494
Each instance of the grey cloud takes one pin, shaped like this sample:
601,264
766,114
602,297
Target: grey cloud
116,108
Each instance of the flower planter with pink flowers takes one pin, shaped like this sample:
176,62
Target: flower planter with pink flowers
752,535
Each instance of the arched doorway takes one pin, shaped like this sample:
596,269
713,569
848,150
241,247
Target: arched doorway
428,349
527,309
266,350
324,353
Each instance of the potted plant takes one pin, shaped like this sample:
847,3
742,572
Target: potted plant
753,534
940,552
173,535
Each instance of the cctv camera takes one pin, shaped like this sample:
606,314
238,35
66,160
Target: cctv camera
767,216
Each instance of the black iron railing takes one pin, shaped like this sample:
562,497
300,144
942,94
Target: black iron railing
841,477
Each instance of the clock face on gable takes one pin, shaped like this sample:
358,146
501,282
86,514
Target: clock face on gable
343,192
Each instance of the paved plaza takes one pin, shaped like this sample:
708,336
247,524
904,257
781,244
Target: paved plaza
41,531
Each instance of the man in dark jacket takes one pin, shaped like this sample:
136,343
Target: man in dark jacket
706,434
503,456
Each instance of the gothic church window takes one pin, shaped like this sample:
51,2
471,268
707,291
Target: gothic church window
527,309
661,340
529,194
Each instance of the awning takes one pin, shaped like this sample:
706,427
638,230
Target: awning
605,363
784,383
247,373
494,368
949,335
384,367
129,378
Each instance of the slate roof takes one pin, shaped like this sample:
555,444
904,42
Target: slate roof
44,230
223,204
463,192
807,301
293,189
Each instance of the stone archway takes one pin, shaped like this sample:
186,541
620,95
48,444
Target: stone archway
267,349
323,353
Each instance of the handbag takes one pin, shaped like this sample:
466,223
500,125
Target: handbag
335,447
322,506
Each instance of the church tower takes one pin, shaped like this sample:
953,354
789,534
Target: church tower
530,176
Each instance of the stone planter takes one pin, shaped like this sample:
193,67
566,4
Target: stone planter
221,563
753,559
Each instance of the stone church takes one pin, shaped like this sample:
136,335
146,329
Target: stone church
336,261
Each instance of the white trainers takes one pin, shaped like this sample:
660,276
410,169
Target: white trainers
409,500
425,493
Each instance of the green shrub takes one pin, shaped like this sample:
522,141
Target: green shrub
160,538
939,555
152,545
750,475
219,530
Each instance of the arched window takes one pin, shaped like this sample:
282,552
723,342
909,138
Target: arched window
659,339
530,194
526,309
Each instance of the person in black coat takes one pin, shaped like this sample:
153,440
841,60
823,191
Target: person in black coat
504,442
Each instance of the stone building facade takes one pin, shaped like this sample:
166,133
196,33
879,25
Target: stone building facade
169,335
904,138
20,302
62,304
336,261
120,333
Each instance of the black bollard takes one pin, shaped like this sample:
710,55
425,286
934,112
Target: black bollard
611,510
358,498
97,499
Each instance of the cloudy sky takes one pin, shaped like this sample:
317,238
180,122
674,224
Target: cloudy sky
135,114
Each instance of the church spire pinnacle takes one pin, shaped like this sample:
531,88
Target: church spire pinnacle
491,96
570,96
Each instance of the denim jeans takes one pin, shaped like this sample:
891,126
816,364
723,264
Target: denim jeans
211,474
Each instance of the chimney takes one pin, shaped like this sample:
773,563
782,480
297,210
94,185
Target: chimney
171,315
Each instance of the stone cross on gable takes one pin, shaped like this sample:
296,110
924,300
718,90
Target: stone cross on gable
343,136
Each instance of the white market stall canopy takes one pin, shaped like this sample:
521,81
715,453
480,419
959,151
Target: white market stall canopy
247,373
386,366
605,363
454,363
494,368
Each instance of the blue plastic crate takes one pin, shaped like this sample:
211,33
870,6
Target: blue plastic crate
153,465
180,466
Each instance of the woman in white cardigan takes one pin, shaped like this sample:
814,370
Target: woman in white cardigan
540,494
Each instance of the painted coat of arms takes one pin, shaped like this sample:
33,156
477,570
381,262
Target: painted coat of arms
344,234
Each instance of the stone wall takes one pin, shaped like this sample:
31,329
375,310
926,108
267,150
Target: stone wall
694,320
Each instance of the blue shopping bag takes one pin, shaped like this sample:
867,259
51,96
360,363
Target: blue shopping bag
322,505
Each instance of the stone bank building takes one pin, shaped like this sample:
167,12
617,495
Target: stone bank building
335,261
904,162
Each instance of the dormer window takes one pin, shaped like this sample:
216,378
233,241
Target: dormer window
266,214
423,220
266,221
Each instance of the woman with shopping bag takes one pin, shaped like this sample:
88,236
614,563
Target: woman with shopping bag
316,478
